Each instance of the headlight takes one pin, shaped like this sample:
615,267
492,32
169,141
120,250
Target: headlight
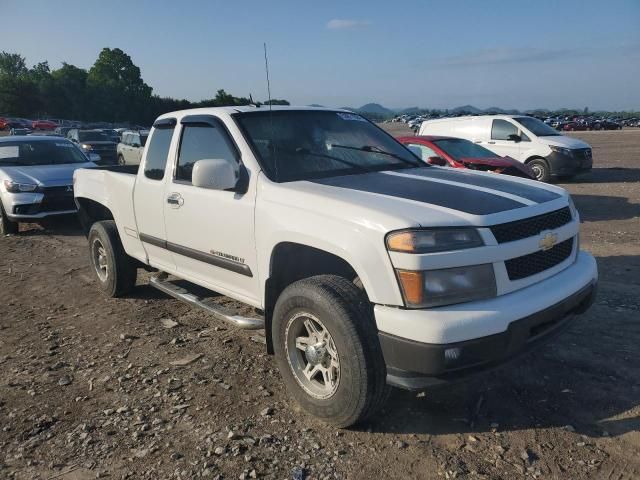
15,187
561,150
435,240
434,288
86,146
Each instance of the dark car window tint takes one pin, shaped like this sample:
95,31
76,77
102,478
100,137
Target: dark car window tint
200,142
157,153
501,129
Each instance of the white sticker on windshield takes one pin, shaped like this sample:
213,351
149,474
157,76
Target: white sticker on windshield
351,116
9,151
65,144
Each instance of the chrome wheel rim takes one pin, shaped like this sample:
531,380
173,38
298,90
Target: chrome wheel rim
312,355
100,263
537,171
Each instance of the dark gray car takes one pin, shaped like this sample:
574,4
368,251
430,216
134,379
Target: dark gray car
95,141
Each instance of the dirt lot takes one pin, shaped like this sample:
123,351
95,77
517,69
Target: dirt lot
88,388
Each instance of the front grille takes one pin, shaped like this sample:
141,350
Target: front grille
582,153
509,232
527,265
56,199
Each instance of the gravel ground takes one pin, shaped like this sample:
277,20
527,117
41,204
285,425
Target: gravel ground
145,387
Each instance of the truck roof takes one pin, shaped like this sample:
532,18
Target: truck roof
243,109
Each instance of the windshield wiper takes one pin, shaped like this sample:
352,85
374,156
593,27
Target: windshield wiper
373,149
306,151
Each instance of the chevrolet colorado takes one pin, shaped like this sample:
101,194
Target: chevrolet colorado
367,267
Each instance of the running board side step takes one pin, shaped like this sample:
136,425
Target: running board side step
248,323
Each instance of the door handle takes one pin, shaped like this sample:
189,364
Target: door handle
175,200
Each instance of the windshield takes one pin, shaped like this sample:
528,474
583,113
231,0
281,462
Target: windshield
41,152
535,126
459,148
92,137
305,144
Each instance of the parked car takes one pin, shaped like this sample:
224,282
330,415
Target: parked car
43,125
372,268
9,123
606,125
63,130
550,154
19,131
131,147
461,153
36,174
95,141
111,134
574,127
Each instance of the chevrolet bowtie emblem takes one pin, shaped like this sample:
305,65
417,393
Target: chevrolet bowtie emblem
548,241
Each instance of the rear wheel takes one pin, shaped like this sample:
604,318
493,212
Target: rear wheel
115,270
327,350
540,169
7,227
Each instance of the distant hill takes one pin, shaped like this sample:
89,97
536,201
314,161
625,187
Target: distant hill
316,105
466,109
375,108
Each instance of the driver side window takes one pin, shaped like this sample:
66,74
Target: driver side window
422,151
501,129
200,142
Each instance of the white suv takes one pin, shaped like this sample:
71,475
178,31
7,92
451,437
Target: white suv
131,146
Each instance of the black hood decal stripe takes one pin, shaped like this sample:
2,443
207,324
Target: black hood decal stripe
490,181
463,199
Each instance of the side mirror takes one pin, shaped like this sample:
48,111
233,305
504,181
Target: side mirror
215,174
94,157
439,161
514,138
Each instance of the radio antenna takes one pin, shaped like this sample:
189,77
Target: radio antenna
273,150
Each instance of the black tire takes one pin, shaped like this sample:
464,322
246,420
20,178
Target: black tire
540,169
115,270
7,227
121,160
346,314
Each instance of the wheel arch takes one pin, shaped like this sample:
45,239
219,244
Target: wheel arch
90,212
292,261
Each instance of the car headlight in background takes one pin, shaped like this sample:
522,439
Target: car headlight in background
561,150
86,146
433,240
15,187
434,288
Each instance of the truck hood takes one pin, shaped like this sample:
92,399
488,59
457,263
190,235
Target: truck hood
564,141
429,197
45,175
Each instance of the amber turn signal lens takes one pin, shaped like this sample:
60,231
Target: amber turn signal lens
402,242
412,286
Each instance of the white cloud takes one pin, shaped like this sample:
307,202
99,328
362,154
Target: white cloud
345,24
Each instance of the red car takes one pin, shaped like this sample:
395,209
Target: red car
574,127
461,153
43,125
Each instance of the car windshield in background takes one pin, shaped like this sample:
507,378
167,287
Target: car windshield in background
538,128
143,140
459,148
41,152
92,137
305,144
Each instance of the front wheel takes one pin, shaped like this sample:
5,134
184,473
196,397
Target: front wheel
121,160
115,270
7,227
540,170
327,349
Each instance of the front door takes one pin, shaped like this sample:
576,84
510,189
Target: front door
211,232
500,141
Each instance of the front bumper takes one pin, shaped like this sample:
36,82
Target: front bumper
25,207
483,334
569,165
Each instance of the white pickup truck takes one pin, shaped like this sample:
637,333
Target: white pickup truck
366,267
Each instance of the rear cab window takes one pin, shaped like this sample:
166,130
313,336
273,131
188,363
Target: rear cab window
158,151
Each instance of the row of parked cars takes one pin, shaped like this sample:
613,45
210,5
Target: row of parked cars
369,262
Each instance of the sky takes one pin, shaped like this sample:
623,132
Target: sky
430,54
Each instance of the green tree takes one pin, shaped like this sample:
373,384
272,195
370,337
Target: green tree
18,93
116,89
69,99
